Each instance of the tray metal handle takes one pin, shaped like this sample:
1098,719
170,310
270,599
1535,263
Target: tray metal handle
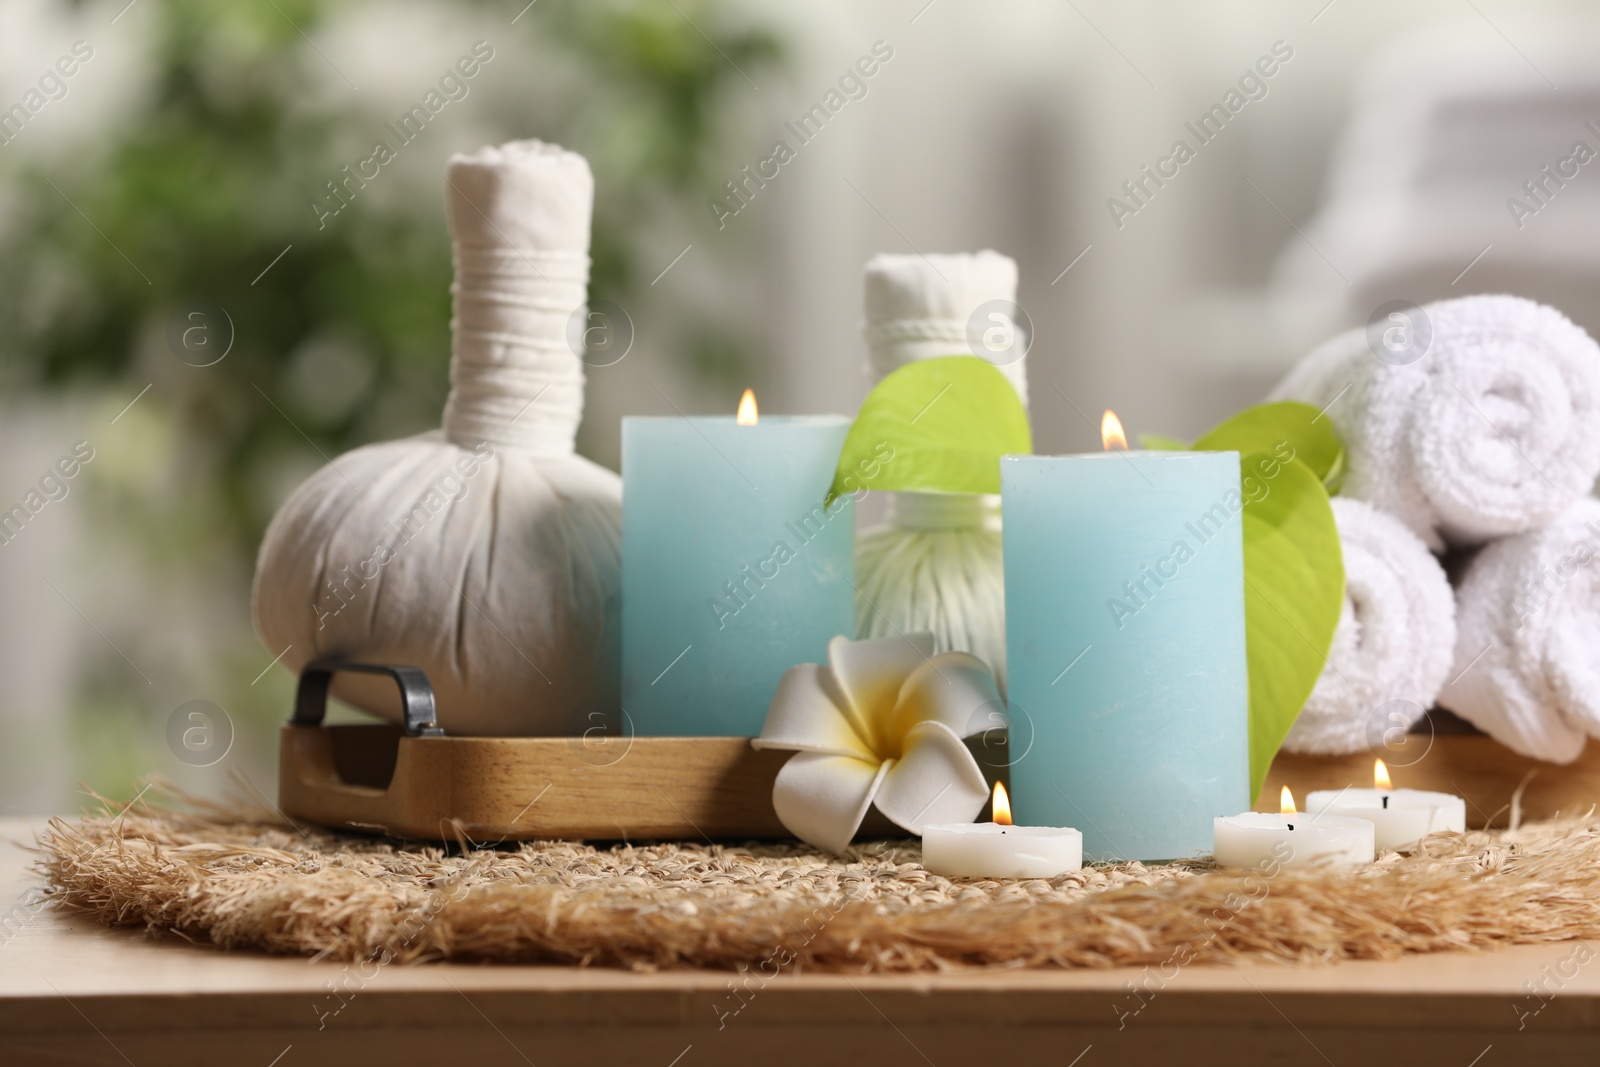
416,695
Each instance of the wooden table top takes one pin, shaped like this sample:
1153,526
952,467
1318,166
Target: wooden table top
72,991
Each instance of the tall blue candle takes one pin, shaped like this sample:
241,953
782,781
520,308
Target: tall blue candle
1125,642
733,569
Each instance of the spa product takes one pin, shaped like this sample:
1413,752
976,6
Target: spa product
1125,617
1399,817
936,564
735,568
999,849
1292,839
486,554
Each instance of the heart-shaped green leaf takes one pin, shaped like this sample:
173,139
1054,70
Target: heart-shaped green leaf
1294,591
1287,429
943,425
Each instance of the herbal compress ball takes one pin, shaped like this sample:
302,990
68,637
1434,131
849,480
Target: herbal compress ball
486,553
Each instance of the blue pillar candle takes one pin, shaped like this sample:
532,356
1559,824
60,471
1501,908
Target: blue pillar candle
733,569
1125,641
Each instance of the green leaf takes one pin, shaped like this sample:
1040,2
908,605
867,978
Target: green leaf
1294,591
1162,443
1288,430
943,425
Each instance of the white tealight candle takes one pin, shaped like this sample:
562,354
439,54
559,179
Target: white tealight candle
1000,850
1291,839
1400,817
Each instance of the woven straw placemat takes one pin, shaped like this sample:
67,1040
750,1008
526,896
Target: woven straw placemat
245,880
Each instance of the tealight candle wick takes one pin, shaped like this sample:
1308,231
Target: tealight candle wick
1386,801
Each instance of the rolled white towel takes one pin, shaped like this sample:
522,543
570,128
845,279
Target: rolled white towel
1391,651
935,566
1481,419
1528,644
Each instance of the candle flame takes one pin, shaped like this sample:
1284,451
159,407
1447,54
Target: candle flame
1001,806
1286,802
1380,775
1111,435
747,409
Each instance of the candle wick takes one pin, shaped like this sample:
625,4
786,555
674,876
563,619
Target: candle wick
1291,826
1386,801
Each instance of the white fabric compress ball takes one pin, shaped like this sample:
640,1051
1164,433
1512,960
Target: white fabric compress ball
487,553
936,565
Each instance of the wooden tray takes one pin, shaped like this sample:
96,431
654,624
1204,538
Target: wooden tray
416,783
375,778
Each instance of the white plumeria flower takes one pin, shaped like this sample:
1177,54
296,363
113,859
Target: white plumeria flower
883,723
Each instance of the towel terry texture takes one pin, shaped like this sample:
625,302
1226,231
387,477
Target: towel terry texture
1528,640
1475,418
1396,635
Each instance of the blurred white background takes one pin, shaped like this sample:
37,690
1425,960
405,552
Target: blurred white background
1377,165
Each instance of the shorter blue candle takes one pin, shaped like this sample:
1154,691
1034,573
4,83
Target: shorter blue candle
733,568
1125,645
